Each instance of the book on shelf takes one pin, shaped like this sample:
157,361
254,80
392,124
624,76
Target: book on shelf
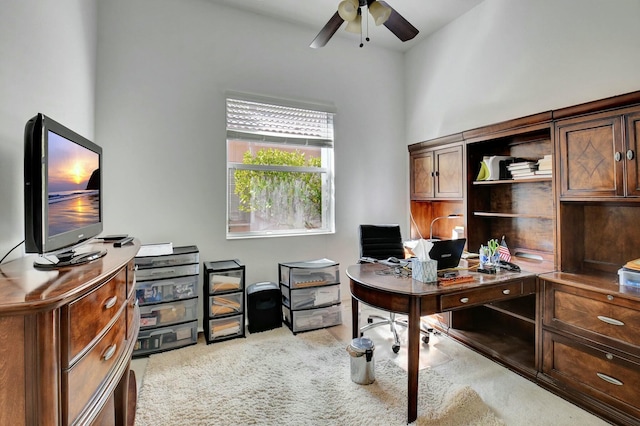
521,165
544,172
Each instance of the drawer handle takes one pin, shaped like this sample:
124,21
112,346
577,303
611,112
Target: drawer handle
506,291
109,352
464,300
610,320
111,302
609,379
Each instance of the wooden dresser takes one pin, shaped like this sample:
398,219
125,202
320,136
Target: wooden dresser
66,338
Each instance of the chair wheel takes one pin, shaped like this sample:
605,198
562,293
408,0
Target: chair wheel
395,348
425,339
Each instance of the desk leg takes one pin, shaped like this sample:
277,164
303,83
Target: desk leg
414,357
355,318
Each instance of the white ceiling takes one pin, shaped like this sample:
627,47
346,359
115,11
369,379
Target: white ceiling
426,15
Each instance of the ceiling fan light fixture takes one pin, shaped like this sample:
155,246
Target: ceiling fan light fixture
355,25
348,9
379,12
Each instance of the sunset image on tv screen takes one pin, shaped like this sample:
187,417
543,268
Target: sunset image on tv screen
73,185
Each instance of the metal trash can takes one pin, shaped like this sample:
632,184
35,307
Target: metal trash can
363,369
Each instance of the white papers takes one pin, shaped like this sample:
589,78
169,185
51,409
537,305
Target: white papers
155,249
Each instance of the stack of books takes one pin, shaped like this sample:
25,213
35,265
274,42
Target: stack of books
545,166
522,169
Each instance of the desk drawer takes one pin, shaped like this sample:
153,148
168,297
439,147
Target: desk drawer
480,296
602,374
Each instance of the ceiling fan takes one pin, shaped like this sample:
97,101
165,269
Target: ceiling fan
351,12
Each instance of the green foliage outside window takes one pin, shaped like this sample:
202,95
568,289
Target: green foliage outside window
287,199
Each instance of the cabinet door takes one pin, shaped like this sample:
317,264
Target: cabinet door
422,175
588,150
448,172
631,154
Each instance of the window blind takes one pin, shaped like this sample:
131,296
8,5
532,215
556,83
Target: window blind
276,123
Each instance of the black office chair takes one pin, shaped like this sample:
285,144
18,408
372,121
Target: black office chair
381,242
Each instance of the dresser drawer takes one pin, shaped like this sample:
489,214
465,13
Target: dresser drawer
86,318
84,379
594,315
594,371
480,296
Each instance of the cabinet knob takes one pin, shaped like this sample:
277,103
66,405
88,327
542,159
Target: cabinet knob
437,173
609,297
630,154
609,356
506,291
464,300
617,156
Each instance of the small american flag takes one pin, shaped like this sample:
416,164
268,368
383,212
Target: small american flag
503,251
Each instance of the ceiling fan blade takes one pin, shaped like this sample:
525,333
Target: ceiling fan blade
327,31
399,26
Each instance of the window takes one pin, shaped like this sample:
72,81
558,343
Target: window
279,168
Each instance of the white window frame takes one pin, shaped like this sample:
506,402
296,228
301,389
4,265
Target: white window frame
244,129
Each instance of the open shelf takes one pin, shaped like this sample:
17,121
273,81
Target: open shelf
504,331
522,308
519,215
511,181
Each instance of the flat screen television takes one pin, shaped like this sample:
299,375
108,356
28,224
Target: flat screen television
62,193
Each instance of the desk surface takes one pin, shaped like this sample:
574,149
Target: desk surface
381,277
374,285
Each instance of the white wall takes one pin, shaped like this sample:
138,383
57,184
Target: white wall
510,58
163,69
47,64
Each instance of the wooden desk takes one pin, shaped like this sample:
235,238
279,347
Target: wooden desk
373,285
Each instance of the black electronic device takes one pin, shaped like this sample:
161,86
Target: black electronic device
114,237
447,252
264,306
123,241
508,266
62,190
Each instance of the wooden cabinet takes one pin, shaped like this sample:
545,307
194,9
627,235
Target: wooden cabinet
437,173
591,344
598,155
437,182
67,338
575,229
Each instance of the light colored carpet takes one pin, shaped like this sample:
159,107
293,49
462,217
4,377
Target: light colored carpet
276,378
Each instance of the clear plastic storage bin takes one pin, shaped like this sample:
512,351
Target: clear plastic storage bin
311,297
309,273
312,319
168,313
165,338
226,328
166,290
226,304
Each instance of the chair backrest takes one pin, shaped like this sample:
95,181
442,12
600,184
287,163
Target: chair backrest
381,241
